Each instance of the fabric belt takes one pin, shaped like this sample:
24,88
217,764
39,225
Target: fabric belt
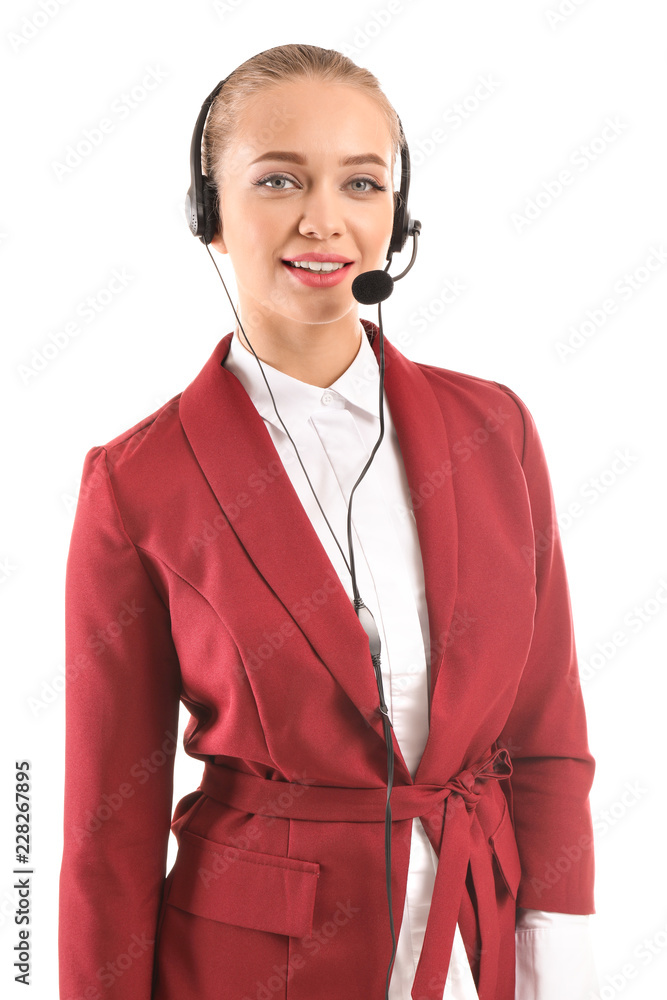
462,842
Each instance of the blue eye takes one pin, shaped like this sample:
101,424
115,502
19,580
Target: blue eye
262,182
271,177
368,180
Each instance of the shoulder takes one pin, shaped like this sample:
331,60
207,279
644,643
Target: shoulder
472,401
151,438
144,460
149,429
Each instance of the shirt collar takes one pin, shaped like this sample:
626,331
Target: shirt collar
358,385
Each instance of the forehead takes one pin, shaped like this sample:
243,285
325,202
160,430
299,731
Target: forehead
314,118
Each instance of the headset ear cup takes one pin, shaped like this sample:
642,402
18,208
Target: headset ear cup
211,216
399,231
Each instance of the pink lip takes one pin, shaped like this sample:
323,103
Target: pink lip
322,279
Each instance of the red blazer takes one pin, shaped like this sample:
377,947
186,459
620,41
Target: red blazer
194,574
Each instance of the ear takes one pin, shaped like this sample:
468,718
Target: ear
218,242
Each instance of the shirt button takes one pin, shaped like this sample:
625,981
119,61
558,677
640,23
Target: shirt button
326,398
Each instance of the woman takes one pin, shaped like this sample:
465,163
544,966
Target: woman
206,566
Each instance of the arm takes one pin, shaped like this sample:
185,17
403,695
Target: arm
122,700
546,729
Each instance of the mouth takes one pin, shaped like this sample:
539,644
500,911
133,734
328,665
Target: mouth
322,275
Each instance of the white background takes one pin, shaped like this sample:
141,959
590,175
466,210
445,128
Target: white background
554,82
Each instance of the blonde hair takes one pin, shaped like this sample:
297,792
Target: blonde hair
274,66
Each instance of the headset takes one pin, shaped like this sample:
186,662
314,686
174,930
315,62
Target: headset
370,287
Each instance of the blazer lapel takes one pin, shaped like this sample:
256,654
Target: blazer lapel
232,445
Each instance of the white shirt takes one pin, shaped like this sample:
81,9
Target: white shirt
335,430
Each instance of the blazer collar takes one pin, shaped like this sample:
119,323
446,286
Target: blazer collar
231,444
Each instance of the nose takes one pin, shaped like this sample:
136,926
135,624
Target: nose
322,213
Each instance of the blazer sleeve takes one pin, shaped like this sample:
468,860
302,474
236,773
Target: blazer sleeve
122,701
546,732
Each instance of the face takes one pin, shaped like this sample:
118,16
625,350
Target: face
286,191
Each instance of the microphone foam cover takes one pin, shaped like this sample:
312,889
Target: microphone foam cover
371,287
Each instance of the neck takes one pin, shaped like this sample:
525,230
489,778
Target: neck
314,353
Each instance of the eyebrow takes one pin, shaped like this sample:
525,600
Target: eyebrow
347,161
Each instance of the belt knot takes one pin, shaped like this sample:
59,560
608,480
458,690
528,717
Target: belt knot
469,782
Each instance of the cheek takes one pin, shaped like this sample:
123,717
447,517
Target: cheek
245,225
259,237
376,227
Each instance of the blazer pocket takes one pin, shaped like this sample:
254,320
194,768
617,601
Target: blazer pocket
262,892
503,842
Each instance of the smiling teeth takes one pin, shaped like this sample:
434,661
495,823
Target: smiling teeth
316,265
